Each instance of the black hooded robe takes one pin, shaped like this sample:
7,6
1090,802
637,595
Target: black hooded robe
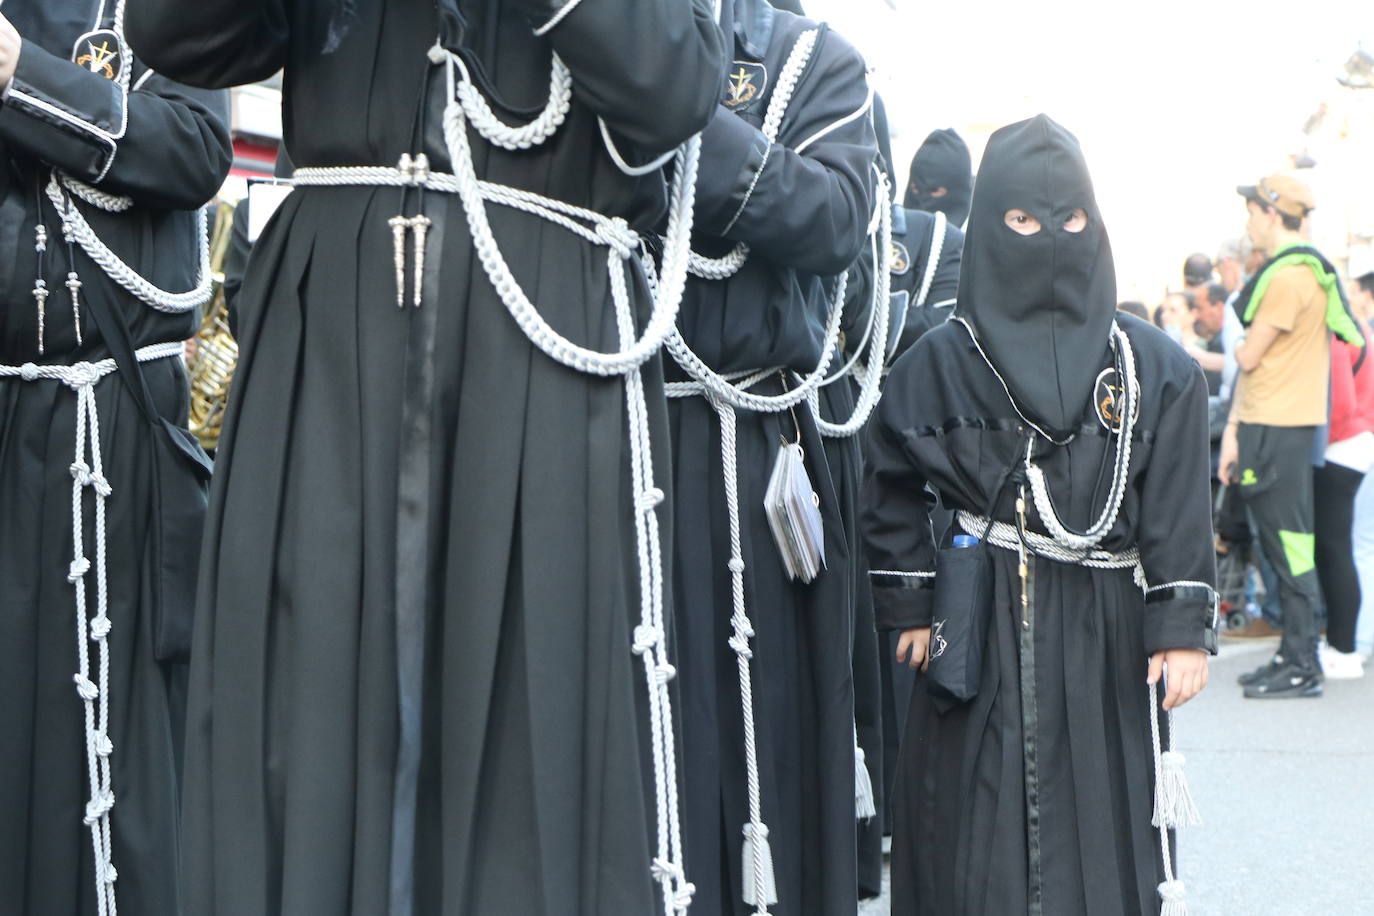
170,160
1036,796
805,217
943,161
429,459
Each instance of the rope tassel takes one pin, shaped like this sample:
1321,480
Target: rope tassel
1174,805
1174,897
865,807
760,886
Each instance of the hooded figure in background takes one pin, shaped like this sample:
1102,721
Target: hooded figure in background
927,247
941,176
1045,427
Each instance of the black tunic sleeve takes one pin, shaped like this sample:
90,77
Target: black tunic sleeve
1175,533
166,147
803,202
896,517
212,43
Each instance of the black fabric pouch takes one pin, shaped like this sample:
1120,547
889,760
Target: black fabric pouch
959,623
181,490
961,613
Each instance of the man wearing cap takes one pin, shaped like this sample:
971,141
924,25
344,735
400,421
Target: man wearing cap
1290,308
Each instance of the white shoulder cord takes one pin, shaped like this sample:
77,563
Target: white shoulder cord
937,248
82,378
870,377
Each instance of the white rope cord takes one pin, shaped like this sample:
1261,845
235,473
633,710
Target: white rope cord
82,378
77,229
937,248
466,105
870,377
1007,537
759,884
1040,493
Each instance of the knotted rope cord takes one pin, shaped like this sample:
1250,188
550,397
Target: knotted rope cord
870,377
465,106
82,378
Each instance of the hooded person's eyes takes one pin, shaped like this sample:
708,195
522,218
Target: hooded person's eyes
1077,221
1021,222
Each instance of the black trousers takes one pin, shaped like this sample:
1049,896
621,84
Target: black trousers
1334,487
1276,483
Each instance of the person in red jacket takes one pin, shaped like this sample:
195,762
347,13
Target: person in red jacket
1349,455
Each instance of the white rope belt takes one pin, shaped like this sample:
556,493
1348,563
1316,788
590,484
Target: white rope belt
82,378
467,107
1006,536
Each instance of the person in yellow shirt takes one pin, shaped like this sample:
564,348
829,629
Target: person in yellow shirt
1290,309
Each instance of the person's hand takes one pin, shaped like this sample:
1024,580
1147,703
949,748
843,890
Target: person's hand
912,647
1230,455
1187,674
10,44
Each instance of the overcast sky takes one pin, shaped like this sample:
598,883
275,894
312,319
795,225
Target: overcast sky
1175,105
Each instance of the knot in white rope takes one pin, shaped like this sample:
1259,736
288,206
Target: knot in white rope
99,806
650,499
109,874
104,747
647,638
85,687
81,473
617,234
672,873
101,485
100,628
664,673
1172,891
79,567
1172,759
736,565
756,831
740,644
81,375
28,372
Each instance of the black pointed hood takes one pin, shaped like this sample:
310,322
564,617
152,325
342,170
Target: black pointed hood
880,127
1041,305
942,162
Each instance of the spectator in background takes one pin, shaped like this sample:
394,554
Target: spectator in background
1209,315
1233,330
1349,454
1174,316
1362,301
1197,272
1290,309
1132,307
1231,263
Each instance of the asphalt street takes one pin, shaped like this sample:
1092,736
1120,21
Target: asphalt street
1286,788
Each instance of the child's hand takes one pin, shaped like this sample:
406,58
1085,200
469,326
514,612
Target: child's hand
912,647
1187,674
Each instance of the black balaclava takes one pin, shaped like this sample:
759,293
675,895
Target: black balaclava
1041,305
942,162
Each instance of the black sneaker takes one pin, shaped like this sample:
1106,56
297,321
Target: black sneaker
1261,673
1287,682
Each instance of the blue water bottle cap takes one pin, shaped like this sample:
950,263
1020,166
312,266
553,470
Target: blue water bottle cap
965,540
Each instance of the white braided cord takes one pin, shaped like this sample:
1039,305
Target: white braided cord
937,248
75,227
82,378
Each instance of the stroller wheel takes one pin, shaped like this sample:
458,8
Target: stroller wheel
1237,619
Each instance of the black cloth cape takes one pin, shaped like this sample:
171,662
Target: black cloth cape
425,475
913,241
805,217
965,840
171,159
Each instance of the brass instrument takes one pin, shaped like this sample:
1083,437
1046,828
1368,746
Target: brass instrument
213,353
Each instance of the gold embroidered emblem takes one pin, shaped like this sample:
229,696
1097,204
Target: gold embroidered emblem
747,82
99,52
901,260
1107,401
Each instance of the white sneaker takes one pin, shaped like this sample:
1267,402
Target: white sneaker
1341,666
